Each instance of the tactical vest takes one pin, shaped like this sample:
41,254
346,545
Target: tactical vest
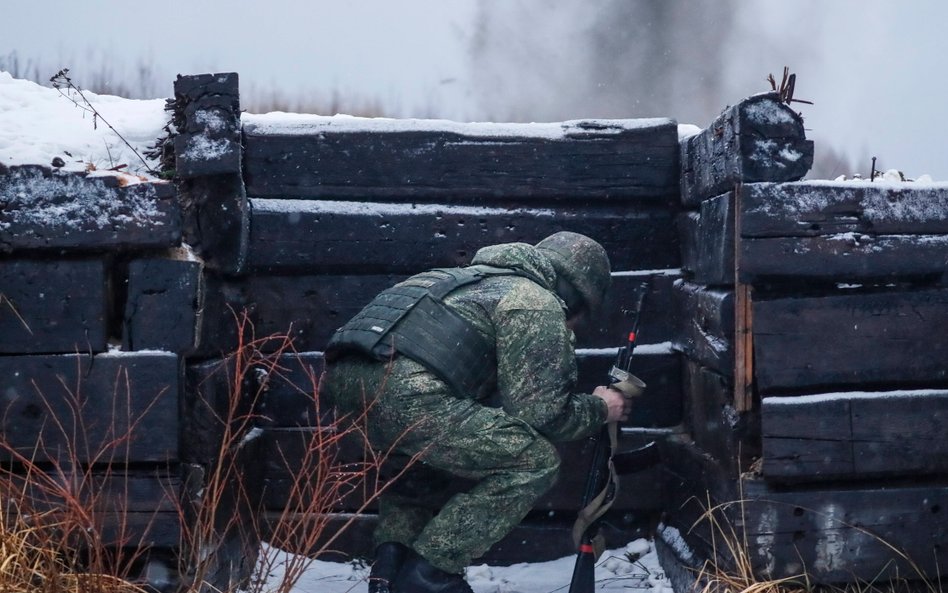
412,319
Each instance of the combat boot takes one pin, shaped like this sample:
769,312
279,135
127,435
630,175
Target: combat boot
389,558
419,576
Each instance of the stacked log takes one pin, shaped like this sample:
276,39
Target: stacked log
814,385
97,416
340,208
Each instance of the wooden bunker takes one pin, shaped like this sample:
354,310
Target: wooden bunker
792,338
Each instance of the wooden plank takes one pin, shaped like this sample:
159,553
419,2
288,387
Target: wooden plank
98,491
820,208
843,231
759,139
708,325
207,114
855,435
846,257
291,396
318,157
744,321
688,224
43,210
707,238
53,306
208,157
308,308
717,428
163,304
77,408
851,340
844,534
356,237
835,533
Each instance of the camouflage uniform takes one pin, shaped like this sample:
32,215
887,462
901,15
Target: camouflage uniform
503,447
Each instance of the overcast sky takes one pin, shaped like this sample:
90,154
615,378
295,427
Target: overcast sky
875,69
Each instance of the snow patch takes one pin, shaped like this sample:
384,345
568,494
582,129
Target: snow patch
293,124
297,207
38,124
73,202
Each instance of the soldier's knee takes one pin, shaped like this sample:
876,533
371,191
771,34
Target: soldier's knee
544,460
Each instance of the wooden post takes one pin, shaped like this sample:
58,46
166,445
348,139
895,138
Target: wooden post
743,318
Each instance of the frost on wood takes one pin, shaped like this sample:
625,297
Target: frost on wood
40,208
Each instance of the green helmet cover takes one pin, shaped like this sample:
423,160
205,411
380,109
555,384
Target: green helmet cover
582,262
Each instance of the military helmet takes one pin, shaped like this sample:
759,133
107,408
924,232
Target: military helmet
582,263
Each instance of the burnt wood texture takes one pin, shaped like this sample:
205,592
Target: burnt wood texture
53,305
337,158
843,231
759,139
357,237
46,210
77,408
855,435
837,533
164,304
208,158
805,344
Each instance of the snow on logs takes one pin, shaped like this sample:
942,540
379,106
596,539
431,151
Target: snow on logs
759,139
343,157
46,210
847,231
813,328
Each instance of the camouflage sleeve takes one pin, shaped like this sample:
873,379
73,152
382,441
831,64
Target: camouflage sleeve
536,368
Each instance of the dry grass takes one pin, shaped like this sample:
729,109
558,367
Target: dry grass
733,570
65,518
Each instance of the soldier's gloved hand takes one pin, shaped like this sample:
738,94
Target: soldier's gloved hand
618,404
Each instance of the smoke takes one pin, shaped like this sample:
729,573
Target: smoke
566,59
874,70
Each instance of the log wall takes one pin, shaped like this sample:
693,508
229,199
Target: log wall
792,338
815,386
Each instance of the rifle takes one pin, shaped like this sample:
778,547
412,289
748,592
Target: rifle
602,481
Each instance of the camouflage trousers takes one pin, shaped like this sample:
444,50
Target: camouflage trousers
504,464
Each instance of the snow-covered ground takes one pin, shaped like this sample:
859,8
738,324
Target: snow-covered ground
632,568
39,124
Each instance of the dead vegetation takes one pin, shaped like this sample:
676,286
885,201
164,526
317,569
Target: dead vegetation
66,518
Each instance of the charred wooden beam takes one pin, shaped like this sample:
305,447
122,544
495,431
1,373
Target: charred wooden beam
309,308
825,208
208,158
731,437
164,304
836,534
356,237
76,408
851,340
844,533
759,139
56,305
708,325
855,435
320,157
43,210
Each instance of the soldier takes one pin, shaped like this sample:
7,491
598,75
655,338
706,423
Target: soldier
472,371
